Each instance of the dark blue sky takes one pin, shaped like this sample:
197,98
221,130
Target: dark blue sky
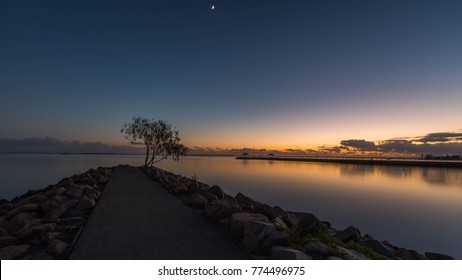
254,73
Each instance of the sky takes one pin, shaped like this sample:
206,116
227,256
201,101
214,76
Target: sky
276,75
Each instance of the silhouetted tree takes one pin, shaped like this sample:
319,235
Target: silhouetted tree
161,140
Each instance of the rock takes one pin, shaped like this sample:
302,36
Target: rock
24,216
216,190
24,208
55,191
209,196
287,253
70,203
279,223
437,256
16,226
245,202
178,188
196,200
223,208
56,213
13,252
3,232
378,247
60,199
93,195
291,220
38,198
351,254
349,234
74,193
241,219
37,230
57,247
318,250
275,238
333,258
86,203
38,256
405,254
6,241
68,185
255,232
265,209
307,221
48,206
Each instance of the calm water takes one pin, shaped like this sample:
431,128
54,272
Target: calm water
418,208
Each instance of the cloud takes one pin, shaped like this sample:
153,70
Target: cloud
440,143
53,145
440,137
361,145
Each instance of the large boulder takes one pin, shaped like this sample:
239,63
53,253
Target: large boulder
13,252
437,256
273,239
37,230
38,198
241,219
74,193
255,232
318,250
55,191
220,209
178,188
216,190
57,247
308,221
3,232
290,220
245,202
405,254
56,213
196,200
24,208
49,206
379,248
287,253
349,234
86,203
265,209
351,254
6,241
279,223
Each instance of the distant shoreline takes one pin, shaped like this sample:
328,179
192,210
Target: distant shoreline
364,161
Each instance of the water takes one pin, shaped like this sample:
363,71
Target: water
415,207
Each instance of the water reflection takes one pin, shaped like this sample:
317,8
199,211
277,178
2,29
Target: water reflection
434,176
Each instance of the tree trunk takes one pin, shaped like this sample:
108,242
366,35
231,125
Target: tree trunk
147,156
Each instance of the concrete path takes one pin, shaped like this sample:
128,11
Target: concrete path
138,219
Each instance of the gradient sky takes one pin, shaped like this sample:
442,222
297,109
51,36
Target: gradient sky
251,73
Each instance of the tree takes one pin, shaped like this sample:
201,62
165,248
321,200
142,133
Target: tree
161,140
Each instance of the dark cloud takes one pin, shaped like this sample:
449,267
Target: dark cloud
440,137
53,145
332,149
361,145
433,143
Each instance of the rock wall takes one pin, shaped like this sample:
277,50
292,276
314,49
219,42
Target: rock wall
269,232
44,224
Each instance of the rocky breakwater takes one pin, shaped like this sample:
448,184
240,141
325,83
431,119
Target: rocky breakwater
269,232
44,224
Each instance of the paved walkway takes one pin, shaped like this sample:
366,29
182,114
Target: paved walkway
138,219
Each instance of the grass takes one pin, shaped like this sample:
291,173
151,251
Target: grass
298,240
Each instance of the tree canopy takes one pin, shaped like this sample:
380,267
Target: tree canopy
161,140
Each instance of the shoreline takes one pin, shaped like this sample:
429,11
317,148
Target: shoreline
364,161
261,229
46,223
